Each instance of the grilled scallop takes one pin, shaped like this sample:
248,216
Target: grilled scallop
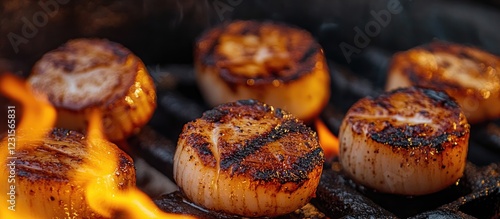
45,176
85,74
249,159
468,74
410,141
274,63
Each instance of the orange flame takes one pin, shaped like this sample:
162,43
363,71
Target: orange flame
102,194
38,118
328,141
36,108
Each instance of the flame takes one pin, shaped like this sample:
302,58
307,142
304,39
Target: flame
328,141
102,193
36,108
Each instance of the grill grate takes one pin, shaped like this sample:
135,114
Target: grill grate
179,102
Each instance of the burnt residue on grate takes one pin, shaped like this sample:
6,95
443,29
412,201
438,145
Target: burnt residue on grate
176,202
337,198
475,195
157,150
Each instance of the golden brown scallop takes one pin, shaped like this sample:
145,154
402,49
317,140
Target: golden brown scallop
410,141
249,159
87,74
274,63
45,175
468,74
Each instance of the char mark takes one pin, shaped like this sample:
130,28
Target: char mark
249,102
252,145
411,136
440,98
313,49
200,144
214,115
38,170
118,50
60,134
297,173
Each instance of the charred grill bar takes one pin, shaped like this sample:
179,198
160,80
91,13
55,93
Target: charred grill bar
337,196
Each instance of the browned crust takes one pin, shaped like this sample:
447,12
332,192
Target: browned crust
424,74
60,154
300,44
101,53
252,156
447,129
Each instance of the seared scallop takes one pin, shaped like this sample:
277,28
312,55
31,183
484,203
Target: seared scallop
87,74
45,175
274,63
468,74
410,141
249,159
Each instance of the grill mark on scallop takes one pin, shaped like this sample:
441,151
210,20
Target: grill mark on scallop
416,134
440,98
251,146
200,144
238,160
60,153
104,70
297,173
468,74
216,115
413,136
300,52
410,141
419,133
248,158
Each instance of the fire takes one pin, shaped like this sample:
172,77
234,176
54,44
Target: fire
36,108
37,119
101,192
329,142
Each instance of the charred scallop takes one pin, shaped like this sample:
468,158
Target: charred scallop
46,181
468,74
87,74
272,62
410,141
249,159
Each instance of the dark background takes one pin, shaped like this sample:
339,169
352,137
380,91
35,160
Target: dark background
163,31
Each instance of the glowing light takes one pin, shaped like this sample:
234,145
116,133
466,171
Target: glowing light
98,172
102,193
328,141
39,116
37,119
